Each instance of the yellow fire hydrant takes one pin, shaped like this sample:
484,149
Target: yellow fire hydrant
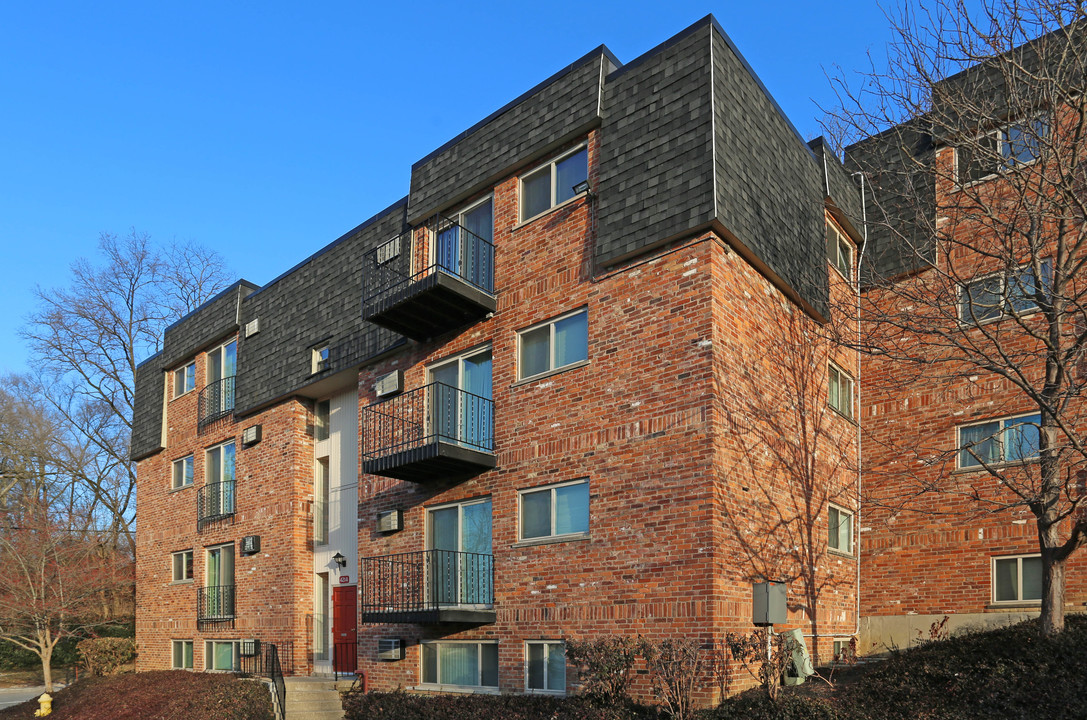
46,703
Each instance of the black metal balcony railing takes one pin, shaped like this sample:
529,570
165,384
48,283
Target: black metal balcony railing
215,603
429,586
214,502
216,401
436,428
457,285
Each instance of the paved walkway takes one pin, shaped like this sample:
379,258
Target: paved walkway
14,696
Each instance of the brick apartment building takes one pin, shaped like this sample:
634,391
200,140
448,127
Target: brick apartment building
574,384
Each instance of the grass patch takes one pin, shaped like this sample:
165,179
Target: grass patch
159,695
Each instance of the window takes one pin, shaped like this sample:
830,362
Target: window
1000,294
555,511
552,184
839,251
184,379
222,368
182,655
554,344
840,530
461,398
221,654
1017,579
467,664
840,391
182,472
219,478
545,666
458,542
182,562
320,359
321,415
320,502
1004,148
462,245
999,441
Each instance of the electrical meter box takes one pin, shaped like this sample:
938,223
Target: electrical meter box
768,603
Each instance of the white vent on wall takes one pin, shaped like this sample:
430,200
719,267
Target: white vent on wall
388,251
389,384
252,327
390,649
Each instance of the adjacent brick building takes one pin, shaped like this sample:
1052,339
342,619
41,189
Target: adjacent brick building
577,382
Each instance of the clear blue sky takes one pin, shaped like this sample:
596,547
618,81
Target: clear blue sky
268,129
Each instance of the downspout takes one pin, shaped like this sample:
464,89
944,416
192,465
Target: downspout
860,414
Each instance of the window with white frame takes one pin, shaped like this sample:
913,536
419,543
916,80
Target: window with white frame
461,244
182,655
221,654
554,344
545,666
1000,441
839,251
555,511
219,472
185,379
462,664
840,529
321,415
182,475
319,359
182,566
1003,293
320,502
553,183
1003,148
840,391
1017,579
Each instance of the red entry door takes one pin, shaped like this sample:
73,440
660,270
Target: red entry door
345,613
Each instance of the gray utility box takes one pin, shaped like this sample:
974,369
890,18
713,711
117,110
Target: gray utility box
768,603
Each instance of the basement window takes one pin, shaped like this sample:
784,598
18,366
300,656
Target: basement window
1017,579
545,667
460,664
182,652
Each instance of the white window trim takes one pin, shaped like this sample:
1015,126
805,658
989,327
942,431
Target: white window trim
173,472
464,355
173,576
851,415
842,237
222,350
207,565
553,537
543,691
456,216
173,643
235,660
1019,578
207,459
552,163
841,509
552,370
460,505
1001,463
961,304
998,131
441,687
319,359
174,375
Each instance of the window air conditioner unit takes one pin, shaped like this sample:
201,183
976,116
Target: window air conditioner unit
250,648
388,251
389,384
251,435
389,521
390,649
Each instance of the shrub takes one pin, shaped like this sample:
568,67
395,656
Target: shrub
400,705
603,666
103,656
675,668
755,705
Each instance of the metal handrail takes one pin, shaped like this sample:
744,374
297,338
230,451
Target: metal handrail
214,501
386,270
216,401
425,581
268,662
215,602
428,414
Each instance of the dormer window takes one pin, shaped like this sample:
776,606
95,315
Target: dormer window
320,359
553,183
1004,148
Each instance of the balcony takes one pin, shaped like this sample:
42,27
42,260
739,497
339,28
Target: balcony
216,402
214,502
435,432
427,587
455,289
215,604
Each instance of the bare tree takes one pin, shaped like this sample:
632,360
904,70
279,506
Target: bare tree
87,339
971,140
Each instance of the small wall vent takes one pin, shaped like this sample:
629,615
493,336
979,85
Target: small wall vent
252,327
251,435
388,251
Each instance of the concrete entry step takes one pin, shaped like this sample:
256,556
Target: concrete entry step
314,698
